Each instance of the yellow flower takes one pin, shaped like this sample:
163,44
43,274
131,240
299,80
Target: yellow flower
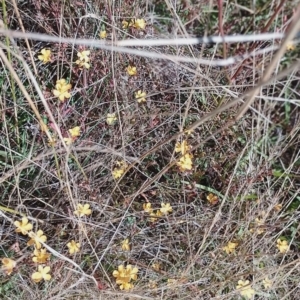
185,162
147,207
155,216
267,283
166,208
83,210
68,141
103,34
245,289
156,266
41,274
182,147
282,246
290,46
24,227
75,132
41,256
73,247
125,24
125,245
212,199
45,56
139,24
111,118
83,59
125,275
131,70
230,247
62,89
258,222
117,173
36,239
140,96
8,265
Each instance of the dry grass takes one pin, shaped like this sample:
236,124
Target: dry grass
250,160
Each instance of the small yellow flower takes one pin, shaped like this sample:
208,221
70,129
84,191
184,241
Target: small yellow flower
62,89
117,173
166,208
24,227
41,256
68,141
103,34
258,223
185,162
36,239
140,96
152,284
230,247
155,216
75,132
212,199
125,275
290,46
125,24
139,24
111,118
147,207
83,59
131,70
83,210
245,289
73,247
182,147
267,283
41,274
45,55
156,266
8,265
282,246
125,245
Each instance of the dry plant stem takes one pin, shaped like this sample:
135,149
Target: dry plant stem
26,40
263,30
293,30
220,16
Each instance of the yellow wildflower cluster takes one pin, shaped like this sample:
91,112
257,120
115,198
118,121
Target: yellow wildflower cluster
125,245
8,265
282,246
131,70
244,288
111,118
45,55
212,199
83,210
103,34
62,90
119,170
40,255
74,247
74,134
185,162
83,59
230,247
258,226
135,23
140,96
125,275
164,210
